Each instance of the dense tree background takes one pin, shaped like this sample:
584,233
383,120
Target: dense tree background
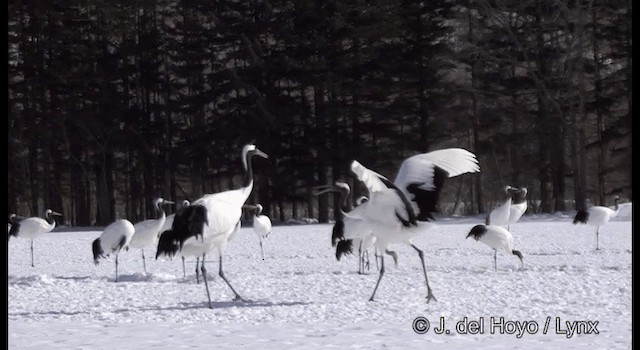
112,103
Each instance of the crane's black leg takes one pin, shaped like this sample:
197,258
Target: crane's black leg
597,238
394,255
144,263
495,259
379,277
360,259
238,297
116,267
204,277
261,250
366,264
424,269
32,264
184,269
197,275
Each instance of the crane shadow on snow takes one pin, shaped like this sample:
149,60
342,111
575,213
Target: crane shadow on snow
588,251
159,278
218,305
142,277
29,315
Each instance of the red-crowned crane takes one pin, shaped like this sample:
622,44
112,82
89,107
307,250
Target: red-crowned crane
147,231
500,215
113,239
365,243
211,221
190,249
261,224
349,227
597,216
400,210
185,251
512,209
496,237
518,205
33,227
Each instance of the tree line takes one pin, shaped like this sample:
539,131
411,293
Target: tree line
112,103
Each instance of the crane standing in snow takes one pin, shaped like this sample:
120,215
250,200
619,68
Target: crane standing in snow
213,220
496,237
113,239
349,227
33,227
261,224
597,216
400,210
512,209
147,231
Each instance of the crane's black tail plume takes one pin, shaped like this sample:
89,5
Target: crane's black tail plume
582,216
477,231
15,226
188,222
344,247
97,251
427,200
168,244
338,233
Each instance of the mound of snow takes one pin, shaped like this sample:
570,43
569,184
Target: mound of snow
626,212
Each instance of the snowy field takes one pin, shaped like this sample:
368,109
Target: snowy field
301,297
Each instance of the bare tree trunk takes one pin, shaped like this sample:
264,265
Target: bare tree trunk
33,177
477,179
103,197
577,119
294,209
597,91
544,124
629,91
322,163
310,199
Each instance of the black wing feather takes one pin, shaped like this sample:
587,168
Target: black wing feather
427,201
188,222
344,247
582,216
477,232
97,251
405,201
338,232
15,226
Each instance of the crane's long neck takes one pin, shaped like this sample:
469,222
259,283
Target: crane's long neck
51,221
345,205
161,213
617,206
13,219
248,174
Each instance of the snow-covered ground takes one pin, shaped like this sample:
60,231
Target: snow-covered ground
301,297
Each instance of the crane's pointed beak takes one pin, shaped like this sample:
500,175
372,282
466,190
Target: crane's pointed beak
55,213
168,202
324,189
261,154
